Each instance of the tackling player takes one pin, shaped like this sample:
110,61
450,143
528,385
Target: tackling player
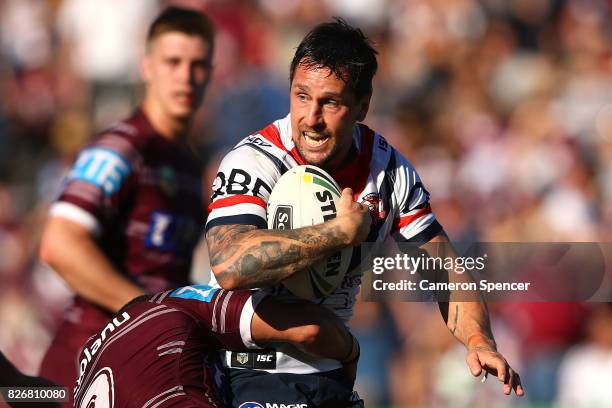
158,350
331,86
128,216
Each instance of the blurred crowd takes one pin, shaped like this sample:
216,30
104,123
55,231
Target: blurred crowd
504,108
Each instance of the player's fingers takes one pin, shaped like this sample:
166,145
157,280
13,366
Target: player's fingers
346,198
509,382
500,365
347,194
518,387
473,363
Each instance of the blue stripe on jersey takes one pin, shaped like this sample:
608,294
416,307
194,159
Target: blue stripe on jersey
427,234
203,293
275,160
241,219
417,188
102,167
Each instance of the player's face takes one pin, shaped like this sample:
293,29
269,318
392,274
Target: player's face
324,111
177,69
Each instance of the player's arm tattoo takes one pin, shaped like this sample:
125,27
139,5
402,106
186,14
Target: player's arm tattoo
243,256
453,327
464,312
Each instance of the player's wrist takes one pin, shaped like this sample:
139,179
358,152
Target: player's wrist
354,228
345,228
481,342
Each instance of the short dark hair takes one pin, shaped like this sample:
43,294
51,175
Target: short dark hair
345,50
183,20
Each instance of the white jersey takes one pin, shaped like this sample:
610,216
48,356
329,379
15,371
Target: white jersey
380,178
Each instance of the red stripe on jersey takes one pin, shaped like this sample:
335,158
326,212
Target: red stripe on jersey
355,175
272,135
407,219
297,156
237,199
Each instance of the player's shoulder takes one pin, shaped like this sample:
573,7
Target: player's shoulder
266,149
126,138
388,163
384,155
136,130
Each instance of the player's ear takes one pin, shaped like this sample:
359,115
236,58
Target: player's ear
145,68
363,105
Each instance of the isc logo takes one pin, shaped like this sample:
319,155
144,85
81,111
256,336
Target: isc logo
264,358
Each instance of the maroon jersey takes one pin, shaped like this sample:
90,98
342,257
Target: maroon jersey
158,352
140,196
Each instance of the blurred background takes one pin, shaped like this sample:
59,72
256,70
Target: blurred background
504,107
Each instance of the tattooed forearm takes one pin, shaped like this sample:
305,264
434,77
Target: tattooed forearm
465,314
242,256
470,324
453,328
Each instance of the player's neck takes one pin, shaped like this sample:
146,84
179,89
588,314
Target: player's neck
342,162
168,127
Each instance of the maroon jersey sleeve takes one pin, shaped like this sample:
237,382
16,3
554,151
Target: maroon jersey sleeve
226,314
98,180
140,195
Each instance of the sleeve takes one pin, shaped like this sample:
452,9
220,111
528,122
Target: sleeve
227,314
93,189
242,188
232,314
414,220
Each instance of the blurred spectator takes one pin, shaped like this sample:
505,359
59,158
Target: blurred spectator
25,38
102,42
585,374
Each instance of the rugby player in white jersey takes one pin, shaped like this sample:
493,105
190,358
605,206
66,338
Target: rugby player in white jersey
331,86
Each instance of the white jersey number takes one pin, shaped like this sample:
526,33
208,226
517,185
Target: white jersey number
101,391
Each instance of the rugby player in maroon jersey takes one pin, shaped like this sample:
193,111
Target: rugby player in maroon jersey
130,210
159,350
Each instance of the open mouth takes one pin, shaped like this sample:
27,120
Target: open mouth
185,97
314,139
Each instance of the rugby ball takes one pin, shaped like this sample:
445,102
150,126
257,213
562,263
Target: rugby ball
302,197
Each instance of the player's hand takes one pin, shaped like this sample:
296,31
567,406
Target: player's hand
355,218
481,358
